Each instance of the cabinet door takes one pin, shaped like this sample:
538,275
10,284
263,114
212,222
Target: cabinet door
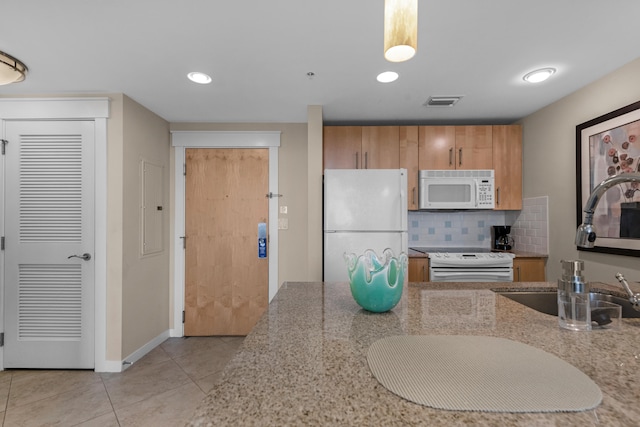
418,269
474,147
507,163
437,147
341,147
380,147
528,270
409,161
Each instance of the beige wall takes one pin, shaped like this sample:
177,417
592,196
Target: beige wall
292,183
145,279
549,168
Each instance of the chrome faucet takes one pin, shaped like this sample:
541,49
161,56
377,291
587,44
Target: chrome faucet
634,299
586,233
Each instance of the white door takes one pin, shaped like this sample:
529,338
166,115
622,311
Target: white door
48,291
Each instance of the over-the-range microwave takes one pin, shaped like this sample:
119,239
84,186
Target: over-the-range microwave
456,189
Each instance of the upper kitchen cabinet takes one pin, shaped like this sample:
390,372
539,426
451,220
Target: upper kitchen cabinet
474,147
507,163
437,146
409,161
341,147
361,147
455,147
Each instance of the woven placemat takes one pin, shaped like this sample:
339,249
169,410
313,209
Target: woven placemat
477,373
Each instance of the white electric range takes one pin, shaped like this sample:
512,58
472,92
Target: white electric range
468,264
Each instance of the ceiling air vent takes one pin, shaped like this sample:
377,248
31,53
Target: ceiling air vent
442,101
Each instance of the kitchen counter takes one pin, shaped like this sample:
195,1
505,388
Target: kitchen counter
305,363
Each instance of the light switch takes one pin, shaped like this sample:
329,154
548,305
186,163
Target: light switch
283,209
283,223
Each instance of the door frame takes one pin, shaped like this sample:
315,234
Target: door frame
96,110
181,140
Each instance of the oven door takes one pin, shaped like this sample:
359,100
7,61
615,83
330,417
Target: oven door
453,274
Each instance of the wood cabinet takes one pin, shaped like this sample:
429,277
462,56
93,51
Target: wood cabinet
507,164
361,147
419,269
341,147
528,269
455,147
409,161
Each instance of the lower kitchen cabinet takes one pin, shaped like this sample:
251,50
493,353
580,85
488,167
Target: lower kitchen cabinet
418,269
529,270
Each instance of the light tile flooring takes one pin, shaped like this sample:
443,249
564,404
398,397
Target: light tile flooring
161,389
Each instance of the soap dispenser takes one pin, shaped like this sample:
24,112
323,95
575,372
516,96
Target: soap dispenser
574,311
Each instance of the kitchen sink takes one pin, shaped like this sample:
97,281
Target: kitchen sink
547,302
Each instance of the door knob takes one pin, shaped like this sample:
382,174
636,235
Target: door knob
85,256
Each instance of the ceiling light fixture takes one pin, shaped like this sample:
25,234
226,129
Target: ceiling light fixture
11,69
198,77
400,29
387,77
540,75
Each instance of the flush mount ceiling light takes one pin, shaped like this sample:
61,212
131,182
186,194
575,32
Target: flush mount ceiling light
387,77
540,75
400,29
11,69
198,77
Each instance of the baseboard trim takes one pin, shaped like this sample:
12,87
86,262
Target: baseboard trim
142,351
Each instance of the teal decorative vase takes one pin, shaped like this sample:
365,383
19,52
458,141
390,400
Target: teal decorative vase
376,282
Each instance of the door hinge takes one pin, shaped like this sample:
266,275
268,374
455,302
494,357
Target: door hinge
2,243
184,242
1,339
4,143
182,317
184,169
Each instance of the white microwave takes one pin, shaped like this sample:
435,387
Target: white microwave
456,189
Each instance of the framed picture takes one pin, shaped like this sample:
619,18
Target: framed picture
610,145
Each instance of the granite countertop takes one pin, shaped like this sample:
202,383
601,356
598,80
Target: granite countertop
305,361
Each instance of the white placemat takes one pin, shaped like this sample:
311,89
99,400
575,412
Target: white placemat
477,373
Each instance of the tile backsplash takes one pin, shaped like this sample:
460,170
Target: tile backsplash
529,227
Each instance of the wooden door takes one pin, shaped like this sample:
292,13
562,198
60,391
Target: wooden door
474,147
409,161
49,225
437,147
226,283
507,163
380,147
341,147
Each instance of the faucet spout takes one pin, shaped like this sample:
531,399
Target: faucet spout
586,233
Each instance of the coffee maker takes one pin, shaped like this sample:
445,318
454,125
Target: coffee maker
501,240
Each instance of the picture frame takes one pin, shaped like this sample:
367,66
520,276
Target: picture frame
607,145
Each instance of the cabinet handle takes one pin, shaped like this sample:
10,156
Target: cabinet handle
518,269
357,155
450,156
460,157
413,196
366,160
424,273
498,196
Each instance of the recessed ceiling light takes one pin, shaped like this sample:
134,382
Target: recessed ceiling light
198,77
540,75
387,77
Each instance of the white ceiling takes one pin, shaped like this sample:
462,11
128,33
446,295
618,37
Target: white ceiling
259,53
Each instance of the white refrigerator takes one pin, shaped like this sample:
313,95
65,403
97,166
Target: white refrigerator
363,209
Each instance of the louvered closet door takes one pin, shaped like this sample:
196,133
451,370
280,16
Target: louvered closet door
48,304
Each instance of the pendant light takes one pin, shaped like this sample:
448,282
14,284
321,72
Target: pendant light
11,69
400,29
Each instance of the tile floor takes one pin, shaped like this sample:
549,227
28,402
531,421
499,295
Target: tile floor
161,389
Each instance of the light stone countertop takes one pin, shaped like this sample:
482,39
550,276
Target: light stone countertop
304,364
